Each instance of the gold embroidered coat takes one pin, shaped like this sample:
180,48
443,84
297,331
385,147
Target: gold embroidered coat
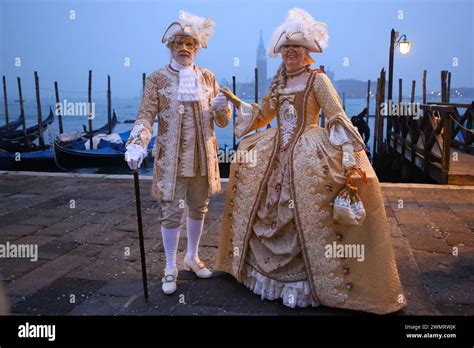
160,98
316,176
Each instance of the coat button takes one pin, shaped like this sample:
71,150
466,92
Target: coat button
231,217
338,236
345,270
274,225
234,188
231,203
349,286
236,175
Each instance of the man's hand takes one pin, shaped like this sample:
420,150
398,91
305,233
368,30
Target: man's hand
231,97
135,155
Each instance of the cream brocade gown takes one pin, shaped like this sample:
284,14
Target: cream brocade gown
268,241
274,266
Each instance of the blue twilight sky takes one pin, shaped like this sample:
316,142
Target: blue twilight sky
105,33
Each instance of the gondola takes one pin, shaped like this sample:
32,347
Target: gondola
31,132
12,125
34,160
73,155
17,146
104,129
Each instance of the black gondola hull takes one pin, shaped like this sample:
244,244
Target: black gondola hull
67,158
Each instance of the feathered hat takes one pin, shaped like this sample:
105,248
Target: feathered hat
199,28
299,28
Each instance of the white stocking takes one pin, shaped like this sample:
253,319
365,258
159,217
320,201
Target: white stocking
170,243
194,229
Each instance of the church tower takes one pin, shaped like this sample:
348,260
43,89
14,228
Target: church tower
262,68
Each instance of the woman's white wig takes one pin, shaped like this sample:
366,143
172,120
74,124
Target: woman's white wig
299,28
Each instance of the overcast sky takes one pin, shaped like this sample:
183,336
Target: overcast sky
41,35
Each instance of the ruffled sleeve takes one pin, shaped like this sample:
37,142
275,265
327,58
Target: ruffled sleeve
251,117
338,136
142,130
328,99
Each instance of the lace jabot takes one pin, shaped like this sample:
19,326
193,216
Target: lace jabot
189,87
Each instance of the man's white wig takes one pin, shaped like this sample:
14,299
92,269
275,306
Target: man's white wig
299,28
199,28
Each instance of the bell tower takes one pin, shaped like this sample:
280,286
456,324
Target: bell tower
262,68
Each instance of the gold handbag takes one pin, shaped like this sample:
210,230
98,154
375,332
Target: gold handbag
348,208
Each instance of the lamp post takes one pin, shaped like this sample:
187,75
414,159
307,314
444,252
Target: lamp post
404,46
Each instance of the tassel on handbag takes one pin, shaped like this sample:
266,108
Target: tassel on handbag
348,208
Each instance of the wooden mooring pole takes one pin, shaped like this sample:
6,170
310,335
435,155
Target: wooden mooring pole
38,109
368,102
424,86
58,109
89,114
379,118
5,100
256,89
109,105
444,87
448,94
22,110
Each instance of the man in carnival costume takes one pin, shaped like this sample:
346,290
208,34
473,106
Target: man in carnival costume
186,100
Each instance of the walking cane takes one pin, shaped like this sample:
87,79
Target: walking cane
140,233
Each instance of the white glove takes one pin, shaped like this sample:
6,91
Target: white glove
135,155
219,102
348,158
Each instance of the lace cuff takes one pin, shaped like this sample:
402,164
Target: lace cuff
342,132
221,117
338,136
140,134
246,115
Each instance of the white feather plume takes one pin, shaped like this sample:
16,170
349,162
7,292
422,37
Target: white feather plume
201,28
299,20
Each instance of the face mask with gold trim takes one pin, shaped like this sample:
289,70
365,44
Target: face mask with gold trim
184,43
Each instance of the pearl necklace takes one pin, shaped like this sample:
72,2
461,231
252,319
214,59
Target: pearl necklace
296,72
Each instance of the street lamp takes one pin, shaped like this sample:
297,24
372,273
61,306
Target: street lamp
404,47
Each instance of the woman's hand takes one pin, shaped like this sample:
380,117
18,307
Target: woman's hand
231,97
219,102
348,158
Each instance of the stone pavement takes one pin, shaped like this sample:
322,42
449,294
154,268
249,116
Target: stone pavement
89,260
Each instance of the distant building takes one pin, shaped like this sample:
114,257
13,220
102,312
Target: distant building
262,68
329,73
